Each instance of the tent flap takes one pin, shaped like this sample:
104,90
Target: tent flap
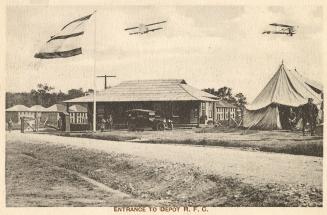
265,118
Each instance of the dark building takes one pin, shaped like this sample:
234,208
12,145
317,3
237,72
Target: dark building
171,98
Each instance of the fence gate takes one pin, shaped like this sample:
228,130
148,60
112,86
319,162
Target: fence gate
28,124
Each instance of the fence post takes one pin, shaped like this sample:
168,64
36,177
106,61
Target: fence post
67,123
22,124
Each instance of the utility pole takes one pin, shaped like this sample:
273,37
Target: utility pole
105,79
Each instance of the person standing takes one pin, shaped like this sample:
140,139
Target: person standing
103,124
10,125
110,122
60,127
309,115
292,119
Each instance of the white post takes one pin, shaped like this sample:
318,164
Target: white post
94,77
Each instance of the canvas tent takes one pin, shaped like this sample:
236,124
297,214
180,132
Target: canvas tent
285,89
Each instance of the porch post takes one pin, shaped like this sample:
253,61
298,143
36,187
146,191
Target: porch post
171,110
67,119
214,112
22,124
90,116
199,113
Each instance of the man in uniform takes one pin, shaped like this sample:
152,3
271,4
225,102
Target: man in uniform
309,115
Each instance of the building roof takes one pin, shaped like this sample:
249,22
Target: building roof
78,108
149,90
53,108
18,108
57,108
63,109
222,103
286,87
37,108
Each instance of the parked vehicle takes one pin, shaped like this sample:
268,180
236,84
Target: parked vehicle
139,119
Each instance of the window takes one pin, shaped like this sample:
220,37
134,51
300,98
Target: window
210,107
71,116
219,113
232,113
85,118
203,109
226,113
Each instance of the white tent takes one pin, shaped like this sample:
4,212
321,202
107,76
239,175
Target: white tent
285,88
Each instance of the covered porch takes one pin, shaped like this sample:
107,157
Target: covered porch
181,112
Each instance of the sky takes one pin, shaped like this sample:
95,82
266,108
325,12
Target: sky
208,46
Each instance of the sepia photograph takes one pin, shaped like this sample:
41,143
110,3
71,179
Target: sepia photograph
163,108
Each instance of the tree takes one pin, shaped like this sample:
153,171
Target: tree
210,90
42,95
240,100
74,93
225,93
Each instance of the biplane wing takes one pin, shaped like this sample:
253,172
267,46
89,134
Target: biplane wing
281,25
131,28
134,33
155,23
154,29
278,32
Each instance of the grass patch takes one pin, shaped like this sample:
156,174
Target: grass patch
266,141
310,148
111,137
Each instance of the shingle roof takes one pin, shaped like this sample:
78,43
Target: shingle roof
222,103
149,90
57,108
18,108
62,108
37,108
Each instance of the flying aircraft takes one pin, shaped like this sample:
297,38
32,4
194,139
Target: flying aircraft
281,29
143,29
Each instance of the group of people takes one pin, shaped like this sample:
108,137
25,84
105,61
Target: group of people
308,113
106,123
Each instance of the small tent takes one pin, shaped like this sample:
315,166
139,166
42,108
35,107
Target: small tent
17,108
37,108
57,108
16,112
286,89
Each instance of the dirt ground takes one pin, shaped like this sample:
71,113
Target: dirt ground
31,182
249,166
48,172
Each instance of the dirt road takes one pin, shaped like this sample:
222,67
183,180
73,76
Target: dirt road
250,167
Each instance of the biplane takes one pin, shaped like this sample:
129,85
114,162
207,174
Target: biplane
281,29
144,29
